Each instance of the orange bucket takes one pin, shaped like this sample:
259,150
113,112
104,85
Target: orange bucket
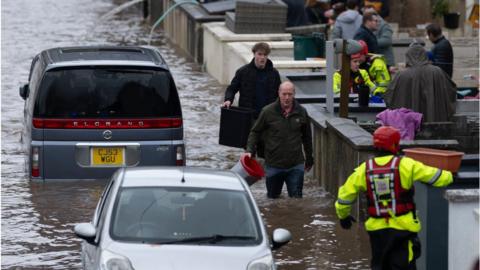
443,159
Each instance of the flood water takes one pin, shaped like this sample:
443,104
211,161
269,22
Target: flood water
38,218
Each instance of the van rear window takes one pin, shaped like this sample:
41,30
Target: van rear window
110,92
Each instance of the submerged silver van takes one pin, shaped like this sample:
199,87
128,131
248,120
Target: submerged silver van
90,110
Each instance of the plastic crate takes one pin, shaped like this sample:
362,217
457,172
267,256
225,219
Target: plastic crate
443,159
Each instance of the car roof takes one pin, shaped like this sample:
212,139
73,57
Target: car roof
181,177
103,55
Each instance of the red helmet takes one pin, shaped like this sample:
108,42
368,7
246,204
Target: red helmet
364,50
387,138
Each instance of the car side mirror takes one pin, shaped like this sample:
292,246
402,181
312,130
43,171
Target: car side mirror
86,231
280,238
24,91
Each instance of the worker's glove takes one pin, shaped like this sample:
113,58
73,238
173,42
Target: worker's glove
346,223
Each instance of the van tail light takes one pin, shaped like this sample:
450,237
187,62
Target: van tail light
35,162
180,159
78,123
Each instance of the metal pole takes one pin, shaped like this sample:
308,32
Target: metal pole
330,70
345,73
145,8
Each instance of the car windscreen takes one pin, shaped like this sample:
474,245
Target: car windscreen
107,92
170,215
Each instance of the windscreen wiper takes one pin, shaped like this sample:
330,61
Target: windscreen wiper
208,239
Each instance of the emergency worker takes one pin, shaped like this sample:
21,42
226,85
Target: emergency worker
377,68
388,181
358,77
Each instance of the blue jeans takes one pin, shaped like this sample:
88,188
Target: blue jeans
293,177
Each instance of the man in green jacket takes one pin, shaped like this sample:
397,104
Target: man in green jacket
284,126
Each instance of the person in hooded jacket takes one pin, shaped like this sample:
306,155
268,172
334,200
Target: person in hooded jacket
348,22
257,82
422,87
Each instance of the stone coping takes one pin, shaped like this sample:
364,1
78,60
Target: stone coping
199,14
462,195
244,49
358,137
222,33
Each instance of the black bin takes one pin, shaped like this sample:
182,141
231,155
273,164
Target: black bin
235,124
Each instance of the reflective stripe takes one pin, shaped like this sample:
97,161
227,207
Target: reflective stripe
345,202
372,186
435,177
383,84
392,186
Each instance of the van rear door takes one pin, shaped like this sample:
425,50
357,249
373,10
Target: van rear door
96,119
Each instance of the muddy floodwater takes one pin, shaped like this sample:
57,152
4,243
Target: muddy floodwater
38,218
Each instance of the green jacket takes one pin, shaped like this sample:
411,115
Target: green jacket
283,137
379,73
362,78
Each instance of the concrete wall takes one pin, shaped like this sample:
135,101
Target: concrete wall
340,145
463,222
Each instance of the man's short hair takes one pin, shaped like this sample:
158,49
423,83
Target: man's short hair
261,46
369,16
434,29
352,4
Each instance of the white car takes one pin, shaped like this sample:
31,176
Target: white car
177,218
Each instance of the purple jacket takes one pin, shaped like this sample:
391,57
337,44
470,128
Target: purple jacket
405,120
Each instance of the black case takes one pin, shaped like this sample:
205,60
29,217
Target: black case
235,124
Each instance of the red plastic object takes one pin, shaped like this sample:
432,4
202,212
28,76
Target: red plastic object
252,167
443,159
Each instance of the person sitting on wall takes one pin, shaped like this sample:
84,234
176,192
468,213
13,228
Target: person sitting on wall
376,67
358,77
422,87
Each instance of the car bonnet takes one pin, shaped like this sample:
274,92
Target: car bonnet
199,257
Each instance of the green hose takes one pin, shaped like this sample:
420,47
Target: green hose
166,13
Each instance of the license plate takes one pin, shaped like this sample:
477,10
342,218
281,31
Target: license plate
107,156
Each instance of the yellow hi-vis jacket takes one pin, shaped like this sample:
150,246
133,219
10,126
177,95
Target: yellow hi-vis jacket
410,171
337,79
379,73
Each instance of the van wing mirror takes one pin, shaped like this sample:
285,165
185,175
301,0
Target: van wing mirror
24,91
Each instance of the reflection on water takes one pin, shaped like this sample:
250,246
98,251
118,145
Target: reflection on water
38,218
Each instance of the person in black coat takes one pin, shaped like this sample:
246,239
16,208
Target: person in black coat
365,32
257,82
441,54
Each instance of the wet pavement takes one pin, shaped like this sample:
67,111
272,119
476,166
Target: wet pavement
38,218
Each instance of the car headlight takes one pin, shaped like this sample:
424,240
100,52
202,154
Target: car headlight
113,261
262,263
